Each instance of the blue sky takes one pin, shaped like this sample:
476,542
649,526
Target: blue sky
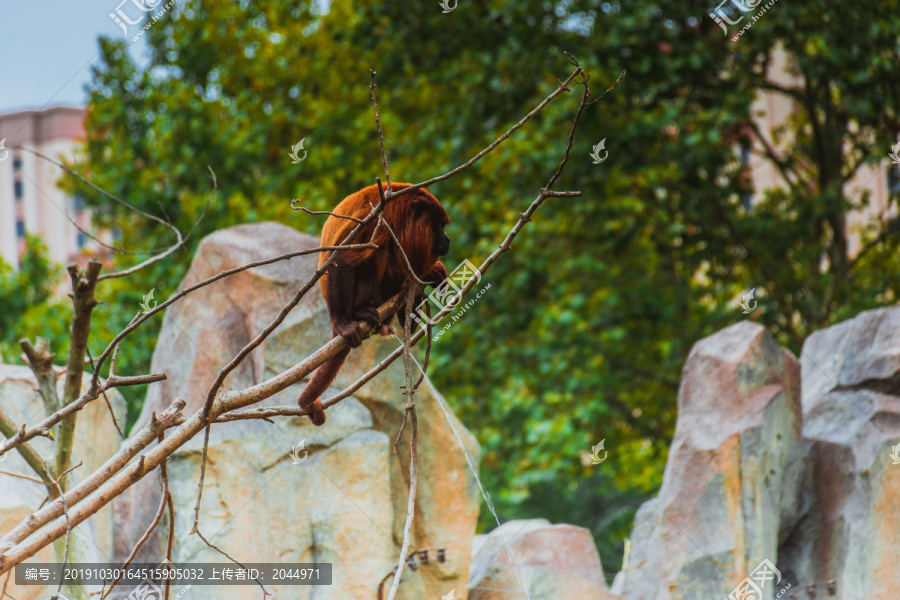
48,48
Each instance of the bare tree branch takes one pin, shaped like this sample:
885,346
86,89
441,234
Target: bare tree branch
104,487
168,418
44,427
413,443
40,360
62,497
384,160
181,294
164,488
31,456
178,244
322,212
20,476
84,282
108,195
563,87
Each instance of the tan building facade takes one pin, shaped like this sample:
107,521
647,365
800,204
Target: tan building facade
30,200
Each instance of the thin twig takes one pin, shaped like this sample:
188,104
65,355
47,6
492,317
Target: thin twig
170,417
608,90
384,161
322,212
65,512
112,414
413,443
164,486
203,458
412,273
175,246
428,328
383,222
170,544
225,554
563,87
102,191
44,428
229,401
181,294
31,456
20,476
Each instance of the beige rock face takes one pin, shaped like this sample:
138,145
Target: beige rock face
554,562
732,476
345,500
849,529
96,440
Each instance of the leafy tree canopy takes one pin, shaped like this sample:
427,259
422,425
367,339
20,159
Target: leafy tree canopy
589,320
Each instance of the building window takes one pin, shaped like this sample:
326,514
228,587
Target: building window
20,228
20,190
746,150
82,240
78,203
17,164
893,179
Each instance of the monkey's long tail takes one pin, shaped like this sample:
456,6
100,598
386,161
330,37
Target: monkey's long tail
321,379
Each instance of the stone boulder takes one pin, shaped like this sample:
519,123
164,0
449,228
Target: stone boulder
849,529
555,562
733,472
96,439
343,500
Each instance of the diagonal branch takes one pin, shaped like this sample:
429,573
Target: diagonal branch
97,188
44,428
168,418
31,456
181,294
226,401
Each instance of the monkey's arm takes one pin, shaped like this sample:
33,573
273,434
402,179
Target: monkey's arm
437,275
341,287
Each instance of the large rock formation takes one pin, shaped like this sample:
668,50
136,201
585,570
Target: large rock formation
345,501
849,527
740,489
550,561
95,441
732,475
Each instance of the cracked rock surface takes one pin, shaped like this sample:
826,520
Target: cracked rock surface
345,501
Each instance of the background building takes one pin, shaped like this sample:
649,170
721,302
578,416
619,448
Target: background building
30,200
772,111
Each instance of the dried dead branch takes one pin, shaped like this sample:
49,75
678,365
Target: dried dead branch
69,508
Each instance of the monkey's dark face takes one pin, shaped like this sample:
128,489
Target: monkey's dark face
432,216
441,239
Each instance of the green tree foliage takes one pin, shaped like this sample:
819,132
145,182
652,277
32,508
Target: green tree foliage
590,318
33,306
26,298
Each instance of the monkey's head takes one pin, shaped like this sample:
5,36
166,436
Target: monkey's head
419,220
427,208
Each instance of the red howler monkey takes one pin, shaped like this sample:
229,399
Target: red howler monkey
358,281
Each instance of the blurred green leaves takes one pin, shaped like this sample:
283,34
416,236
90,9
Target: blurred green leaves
591,316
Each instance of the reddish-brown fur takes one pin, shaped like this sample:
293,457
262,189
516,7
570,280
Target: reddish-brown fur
359,281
